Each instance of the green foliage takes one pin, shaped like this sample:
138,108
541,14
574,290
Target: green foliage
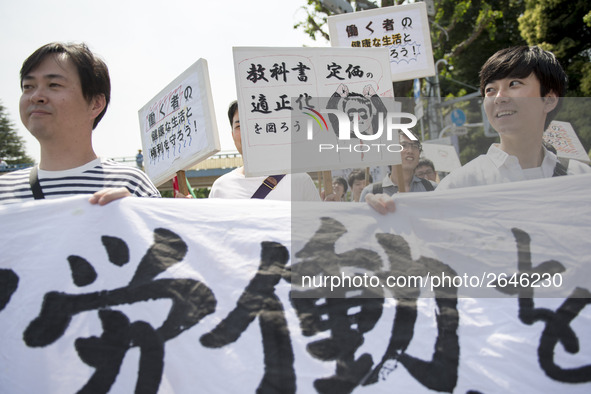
474,144
576,111
470,32
12,146
202,192
564,28
467,32
315,22
587,19
317,15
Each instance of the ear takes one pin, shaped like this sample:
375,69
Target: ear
550,102
97,105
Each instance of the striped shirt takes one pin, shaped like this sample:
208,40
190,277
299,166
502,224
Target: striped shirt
87,179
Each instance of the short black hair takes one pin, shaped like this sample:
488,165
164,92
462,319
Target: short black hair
92,71
342,181
358,175
232,110
426,162
520,62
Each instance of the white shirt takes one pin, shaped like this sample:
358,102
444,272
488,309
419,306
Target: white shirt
235,185
498,166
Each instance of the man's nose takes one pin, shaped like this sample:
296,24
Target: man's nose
501,96
38,96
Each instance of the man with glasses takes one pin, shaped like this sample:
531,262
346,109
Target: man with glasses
426,169
411,150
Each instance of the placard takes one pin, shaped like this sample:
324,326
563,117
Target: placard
444,157
283,98
178,125
562,136
402,29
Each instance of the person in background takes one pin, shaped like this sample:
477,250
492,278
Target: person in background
426,170
66,90
339,187
234,184
357,182
411,150
522,88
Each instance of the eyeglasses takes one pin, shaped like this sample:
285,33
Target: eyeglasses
421,174
410,145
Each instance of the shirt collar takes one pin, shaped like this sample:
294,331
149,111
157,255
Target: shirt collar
387,182
500,158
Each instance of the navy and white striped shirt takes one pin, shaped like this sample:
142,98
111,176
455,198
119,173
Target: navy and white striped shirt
87,179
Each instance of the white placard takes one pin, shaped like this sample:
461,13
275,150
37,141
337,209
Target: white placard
178,125
402,29
282,94
562,136
444,157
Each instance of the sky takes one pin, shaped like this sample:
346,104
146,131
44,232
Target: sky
146,44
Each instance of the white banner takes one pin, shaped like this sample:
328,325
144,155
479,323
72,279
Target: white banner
183,296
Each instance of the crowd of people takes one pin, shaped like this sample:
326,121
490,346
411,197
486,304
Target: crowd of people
66,91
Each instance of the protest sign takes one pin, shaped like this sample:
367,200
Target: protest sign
156,295
402,29
290,100
178,125
444,157
563,138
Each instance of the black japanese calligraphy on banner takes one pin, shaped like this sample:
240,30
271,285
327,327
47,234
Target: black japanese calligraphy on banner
178,125
145,302
402,29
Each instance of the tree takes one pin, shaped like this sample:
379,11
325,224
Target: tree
202,192
318,13
467,32
12,146
464,32
564,28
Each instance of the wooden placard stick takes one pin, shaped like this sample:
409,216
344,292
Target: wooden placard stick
399,178
327,181
182,180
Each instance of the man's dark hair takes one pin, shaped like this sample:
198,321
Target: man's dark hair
426,162
342,181
402,133
520,62
92,71
232,110
358,175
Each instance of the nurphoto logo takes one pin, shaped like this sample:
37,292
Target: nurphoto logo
360,124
